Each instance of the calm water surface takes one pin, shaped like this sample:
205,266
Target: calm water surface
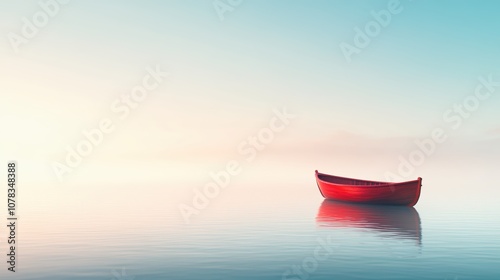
254,233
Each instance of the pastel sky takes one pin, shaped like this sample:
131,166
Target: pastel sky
227,76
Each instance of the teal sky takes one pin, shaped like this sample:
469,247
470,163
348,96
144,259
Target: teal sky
227,76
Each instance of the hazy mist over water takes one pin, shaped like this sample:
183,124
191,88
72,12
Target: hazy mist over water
256,230
178,139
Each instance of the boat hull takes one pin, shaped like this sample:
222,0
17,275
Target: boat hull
371,192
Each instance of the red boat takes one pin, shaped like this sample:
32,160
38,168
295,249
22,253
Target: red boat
372,192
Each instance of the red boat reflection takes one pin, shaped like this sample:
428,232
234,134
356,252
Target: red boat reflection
403,222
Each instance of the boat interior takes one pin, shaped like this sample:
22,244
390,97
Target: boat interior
348,181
